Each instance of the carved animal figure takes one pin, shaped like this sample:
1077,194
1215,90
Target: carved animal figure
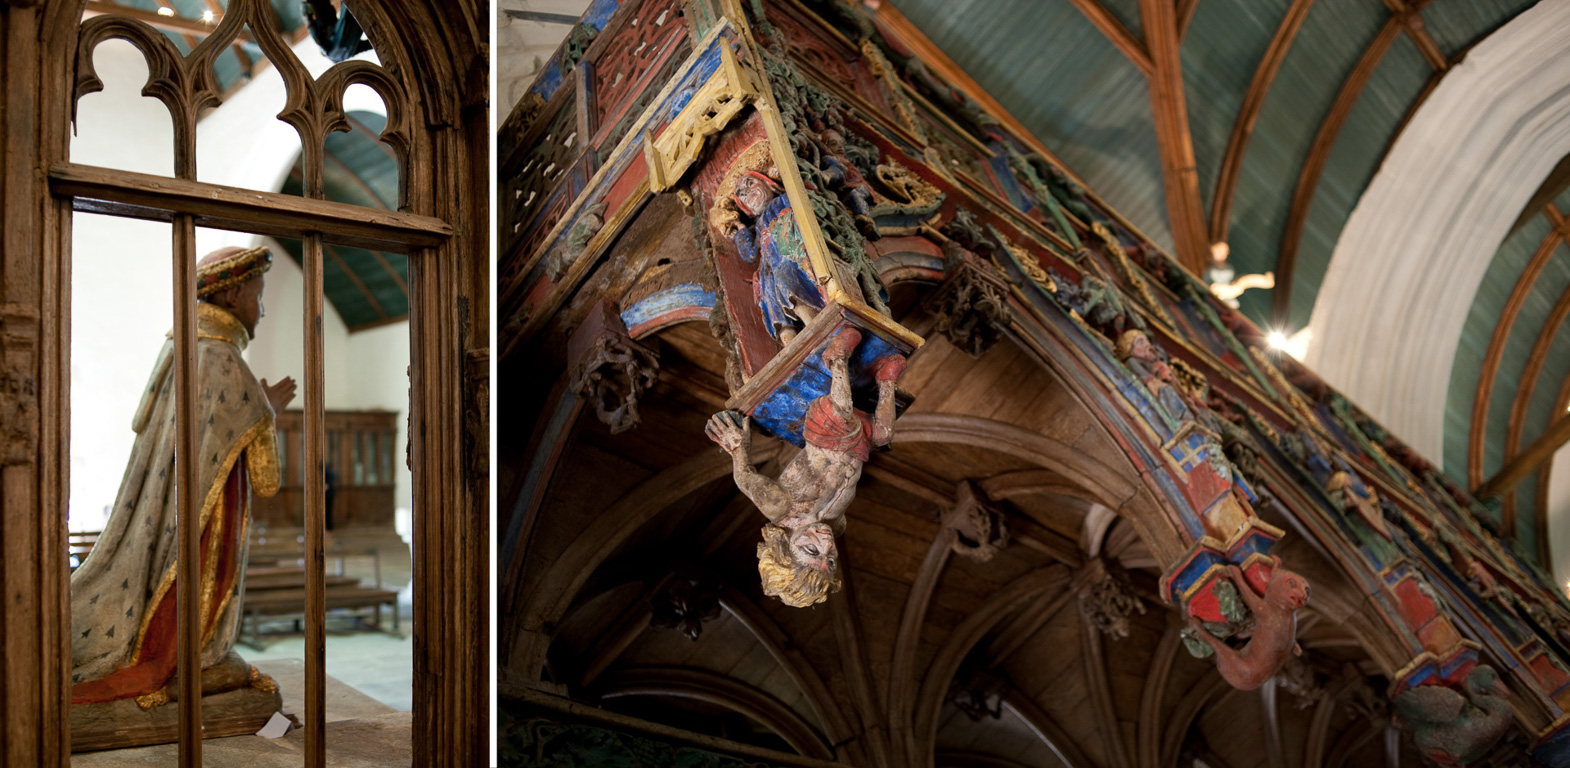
1275,628
1457,728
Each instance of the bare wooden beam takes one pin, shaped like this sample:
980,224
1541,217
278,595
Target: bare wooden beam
177,24
1248,114
1524,462
1117,34
1523,393
1185,211
1185,14
1318,154
159,198
1496,351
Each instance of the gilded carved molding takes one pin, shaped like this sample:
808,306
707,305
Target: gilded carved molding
730,89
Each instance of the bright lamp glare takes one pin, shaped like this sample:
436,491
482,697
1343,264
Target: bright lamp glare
208,16
1277,339
165,10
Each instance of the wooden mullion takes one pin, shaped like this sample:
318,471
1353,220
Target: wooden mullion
159,198
315,511
188,522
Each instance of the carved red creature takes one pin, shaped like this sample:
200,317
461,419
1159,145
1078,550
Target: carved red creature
1275,628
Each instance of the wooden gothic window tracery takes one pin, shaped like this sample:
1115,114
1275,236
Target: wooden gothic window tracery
186,84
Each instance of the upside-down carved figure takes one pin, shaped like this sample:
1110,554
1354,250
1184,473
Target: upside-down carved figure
1457,728
1275,628
806,505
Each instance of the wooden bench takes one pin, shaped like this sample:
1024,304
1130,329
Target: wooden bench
78,544
275,588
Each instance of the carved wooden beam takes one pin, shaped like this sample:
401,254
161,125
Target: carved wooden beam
1318,154
1117,34
1496,348
1185,211
1408,12
1248,114
1527,460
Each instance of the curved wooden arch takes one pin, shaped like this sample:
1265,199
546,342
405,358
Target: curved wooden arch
964,637
955,758
901,692
728,692
1523,395
1109,487
1248,114
1496,351
1318,155
789,656
1046,728
1210,686
1148,749
548,599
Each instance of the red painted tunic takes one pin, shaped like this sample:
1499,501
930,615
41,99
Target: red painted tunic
825,429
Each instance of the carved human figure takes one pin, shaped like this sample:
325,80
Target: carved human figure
1275,628
123,624
1224,281
841,173
806,505
1454,728
784,286
1145,361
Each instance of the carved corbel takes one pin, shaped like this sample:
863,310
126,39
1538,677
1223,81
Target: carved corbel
972,305
1106,597
980,528
689,599
609,369
18,388
1455,726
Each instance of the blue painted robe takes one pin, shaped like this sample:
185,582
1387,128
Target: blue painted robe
782,280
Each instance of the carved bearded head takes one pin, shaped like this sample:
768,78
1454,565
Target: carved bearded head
753,191
797,566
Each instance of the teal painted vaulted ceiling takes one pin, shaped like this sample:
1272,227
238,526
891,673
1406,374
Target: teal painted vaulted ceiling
1350,75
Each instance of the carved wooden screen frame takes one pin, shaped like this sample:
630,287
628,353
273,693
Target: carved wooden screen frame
434,68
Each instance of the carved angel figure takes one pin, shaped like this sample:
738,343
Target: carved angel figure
1457,728
806,504
1275,628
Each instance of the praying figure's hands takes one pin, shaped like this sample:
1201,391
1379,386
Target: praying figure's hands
732,431
279,395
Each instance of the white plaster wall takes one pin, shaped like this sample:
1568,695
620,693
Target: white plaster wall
122,276
1414,251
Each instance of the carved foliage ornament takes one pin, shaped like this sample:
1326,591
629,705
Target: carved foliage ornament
18,389
609,369
972,306
1106,597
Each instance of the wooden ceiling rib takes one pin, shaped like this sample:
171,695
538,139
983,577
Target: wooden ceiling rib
1185,211
1118,34
177,24
1047,728
1185,14
1557,434
1523,397
370,296
1096,676
1314,163
1478,432
1248,115
1148,748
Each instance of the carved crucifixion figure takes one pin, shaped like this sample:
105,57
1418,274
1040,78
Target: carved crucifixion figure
1275,628
806,505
